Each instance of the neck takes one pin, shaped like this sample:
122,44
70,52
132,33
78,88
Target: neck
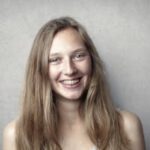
68,111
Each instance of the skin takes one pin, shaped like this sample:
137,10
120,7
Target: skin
9,136
67,64
131,124
69,73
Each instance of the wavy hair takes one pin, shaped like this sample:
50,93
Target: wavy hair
37,125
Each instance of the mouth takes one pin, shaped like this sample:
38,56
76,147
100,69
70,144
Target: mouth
71,83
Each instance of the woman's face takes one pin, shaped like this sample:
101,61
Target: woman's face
69,65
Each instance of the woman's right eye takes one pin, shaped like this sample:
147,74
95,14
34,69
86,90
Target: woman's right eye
54,61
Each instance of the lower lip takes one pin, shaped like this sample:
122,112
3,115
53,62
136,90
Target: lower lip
73,86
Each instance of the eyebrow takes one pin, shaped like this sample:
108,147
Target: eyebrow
75,51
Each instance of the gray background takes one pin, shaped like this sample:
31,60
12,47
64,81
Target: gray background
120,30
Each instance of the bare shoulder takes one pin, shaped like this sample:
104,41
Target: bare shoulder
9,135
133,129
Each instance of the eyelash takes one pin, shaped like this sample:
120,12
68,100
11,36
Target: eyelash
76,57
54,60
79,56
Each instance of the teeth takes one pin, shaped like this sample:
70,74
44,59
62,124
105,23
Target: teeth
71,82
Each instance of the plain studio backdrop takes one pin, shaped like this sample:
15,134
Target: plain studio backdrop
120,30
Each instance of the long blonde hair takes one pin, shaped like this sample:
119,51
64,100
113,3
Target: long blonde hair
37,125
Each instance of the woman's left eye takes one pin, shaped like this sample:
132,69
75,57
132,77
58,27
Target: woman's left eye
79,56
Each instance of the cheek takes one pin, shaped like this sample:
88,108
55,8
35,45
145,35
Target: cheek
53,74
86,67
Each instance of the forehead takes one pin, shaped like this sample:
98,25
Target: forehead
66,40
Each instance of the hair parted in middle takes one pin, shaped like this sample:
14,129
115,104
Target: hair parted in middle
38,123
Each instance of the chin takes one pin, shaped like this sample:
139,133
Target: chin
70,93
71,97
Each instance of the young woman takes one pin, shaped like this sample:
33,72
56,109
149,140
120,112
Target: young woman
66,105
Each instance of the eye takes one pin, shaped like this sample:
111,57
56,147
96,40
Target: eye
55,60
79,56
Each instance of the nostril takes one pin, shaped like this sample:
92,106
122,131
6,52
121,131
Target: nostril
70,71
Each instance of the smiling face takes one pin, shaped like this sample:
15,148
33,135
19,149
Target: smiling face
69,65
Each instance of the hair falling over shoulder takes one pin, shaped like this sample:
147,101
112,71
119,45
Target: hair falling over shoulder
38,123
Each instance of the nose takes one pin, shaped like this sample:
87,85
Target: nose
69,67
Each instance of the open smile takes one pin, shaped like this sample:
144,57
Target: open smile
71,83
